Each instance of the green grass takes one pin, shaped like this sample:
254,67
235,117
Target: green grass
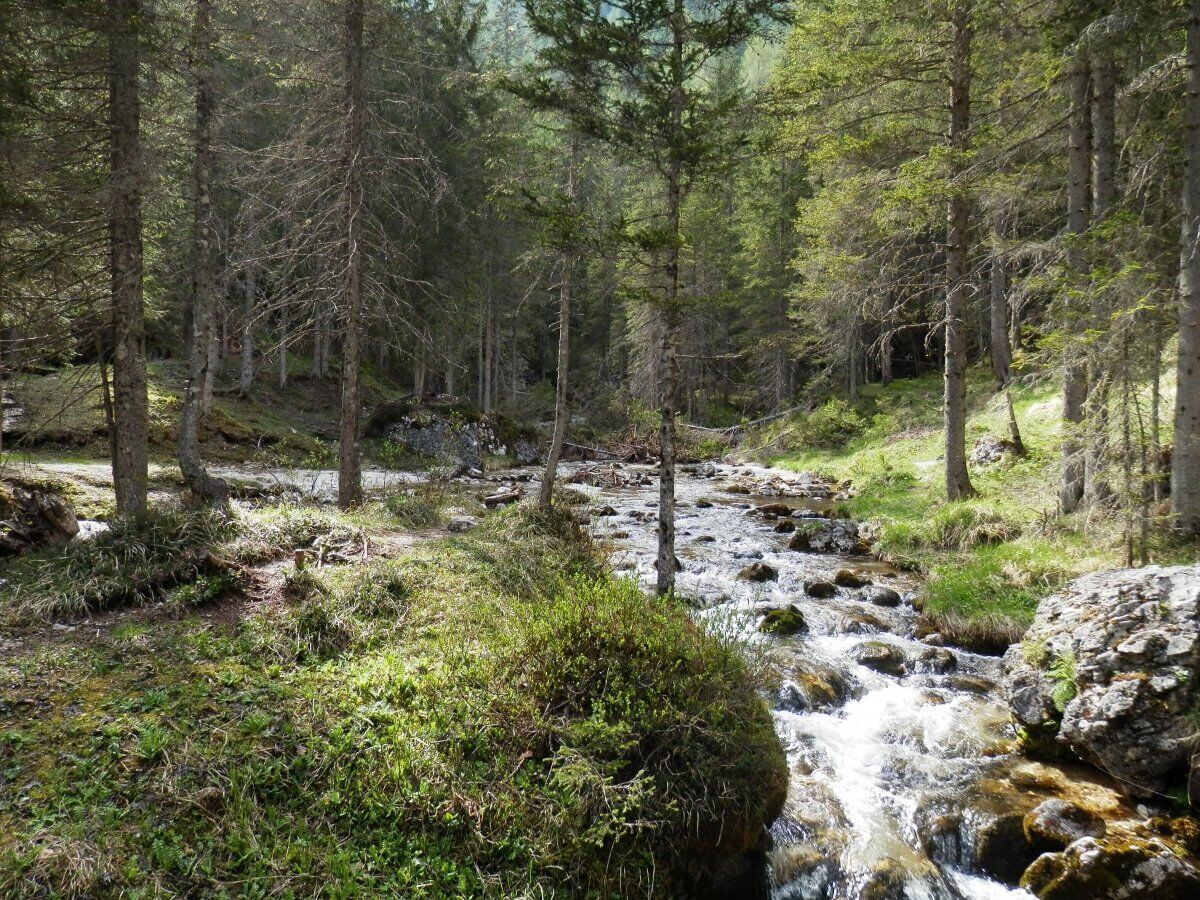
989,559
488,715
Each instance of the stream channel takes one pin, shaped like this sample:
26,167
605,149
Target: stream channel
889,773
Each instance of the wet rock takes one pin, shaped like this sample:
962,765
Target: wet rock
1110,666
785,621
703,504
783,526
1128,869
773,510
881,596
880,656
606,511
1001,848
937,660
832,536
818,588
972,684
860,623
1055,824
759,572
848,579
705,539
811,687
887,880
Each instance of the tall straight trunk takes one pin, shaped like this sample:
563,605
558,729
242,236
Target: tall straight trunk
1185,469
564,341
349,464
317,368
885,356
130,399
212,353
420,365
1078,211
246,379
666,561
284,328
1104,195
958,480
1155,418
998,307
198,314
783,368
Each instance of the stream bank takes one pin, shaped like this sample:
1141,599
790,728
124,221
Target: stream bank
905,778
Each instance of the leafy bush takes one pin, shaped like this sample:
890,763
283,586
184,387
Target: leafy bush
831,425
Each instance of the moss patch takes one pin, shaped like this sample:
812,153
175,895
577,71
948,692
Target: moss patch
486,715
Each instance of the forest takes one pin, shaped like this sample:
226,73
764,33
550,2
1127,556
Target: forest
600,448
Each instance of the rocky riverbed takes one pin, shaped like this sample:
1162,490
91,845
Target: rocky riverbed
905,776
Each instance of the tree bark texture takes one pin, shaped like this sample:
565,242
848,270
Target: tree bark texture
349,463
1078,213
1185,470
564,342
958,481
198,314
130,399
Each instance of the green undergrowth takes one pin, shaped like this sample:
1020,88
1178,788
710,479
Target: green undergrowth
487,715
63,415
990,559
143,560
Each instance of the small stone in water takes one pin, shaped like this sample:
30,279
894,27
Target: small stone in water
938,660
783,526
788,620
759,572
606,511
881,657
703,504
882,596
819,588
848,579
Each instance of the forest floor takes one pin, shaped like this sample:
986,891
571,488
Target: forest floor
58,416
988,560
408,713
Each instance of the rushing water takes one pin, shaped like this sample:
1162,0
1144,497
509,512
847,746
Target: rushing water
887,777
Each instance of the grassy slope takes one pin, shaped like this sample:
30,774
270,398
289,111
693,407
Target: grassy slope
481,715
989,559
63,416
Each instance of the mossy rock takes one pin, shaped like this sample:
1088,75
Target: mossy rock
1132,869
784,621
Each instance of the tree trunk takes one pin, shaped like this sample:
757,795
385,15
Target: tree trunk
564,342
284,328
1185,469
1074,373
198,314
130,400
212,352
1104,156
998,307
246,379
958,480
666,562
317,368
349,464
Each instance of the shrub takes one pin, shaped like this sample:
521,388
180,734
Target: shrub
831,425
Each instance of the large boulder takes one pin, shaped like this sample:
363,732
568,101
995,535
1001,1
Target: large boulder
31,515
451,430
1108,670
833,536
1123,869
